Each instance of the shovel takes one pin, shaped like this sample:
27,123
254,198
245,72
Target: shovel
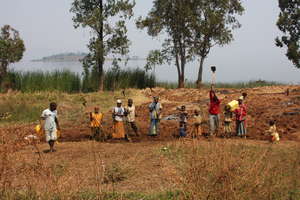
213,77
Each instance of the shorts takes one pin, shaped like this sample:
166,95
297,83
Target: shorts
51,135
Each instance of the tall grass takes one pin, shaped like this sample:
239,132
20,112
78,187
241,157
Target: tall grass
128,78
64,81
115,79
70,82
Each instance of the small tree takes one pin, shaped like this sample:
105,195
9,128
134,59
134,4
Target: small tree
289,23
106,38
212,24
11,49
171,17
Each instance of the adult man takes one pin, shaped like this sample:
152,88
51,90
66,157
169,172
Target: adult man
155,109
130,113
214,111
51,125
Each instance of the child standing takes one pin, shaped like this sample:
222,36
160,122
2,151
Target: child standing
241,114
197,130
274,136
96,118
227,121
130,114
183,115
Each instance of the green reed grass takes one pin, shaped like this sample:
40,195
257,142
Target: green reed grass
64,81
115,79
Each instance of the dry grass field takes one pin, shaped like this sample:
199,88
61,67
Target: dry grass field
150,168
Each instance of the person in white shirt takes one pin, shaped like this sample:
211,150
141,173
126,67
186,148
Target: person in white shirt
118,114
51,125
130,113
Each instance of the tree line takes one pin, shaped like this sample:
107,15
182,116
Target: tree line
191,28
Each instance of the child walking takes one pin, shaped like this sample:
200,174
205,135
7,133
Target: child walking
96,118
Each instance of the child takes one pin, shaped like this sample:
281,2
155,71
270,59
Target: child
96,123
274,136
183,115
241,114
51,125
197,130
227,121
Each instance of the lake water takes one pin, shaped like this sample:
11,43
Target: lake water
169,73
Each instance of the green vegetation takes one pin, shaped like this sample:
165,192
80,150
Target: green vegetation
64,81
107,20
11,50
70,82
288,24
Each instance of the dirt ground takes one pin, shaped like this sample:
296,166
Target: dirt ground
148,164
263,104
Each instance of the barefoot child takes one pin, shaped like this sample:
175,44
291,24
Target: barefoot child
274,136
96,118
197,129
51,125
227,121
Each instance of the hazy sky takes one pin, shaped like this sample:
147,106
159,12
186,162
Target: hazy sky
46,27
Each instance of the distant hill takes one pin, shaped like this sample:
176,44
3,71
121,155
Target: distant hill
73,57
63,57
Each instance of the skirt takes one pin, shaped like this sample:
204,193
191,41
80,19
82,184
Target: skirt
118,130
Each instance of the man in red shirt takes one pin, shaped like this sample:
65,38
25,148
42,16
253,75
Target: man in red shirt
214,111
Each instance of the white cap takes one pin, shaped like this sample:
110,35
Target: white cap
119,101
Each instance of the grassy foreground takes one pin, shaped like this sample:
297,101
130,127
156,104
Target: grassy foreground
183,169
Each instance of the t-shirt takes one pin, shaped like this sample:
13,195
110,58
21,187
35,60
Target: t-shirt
96,119
49,117
183,116
214,106
241,113
155,109
197,119
131,113
118,113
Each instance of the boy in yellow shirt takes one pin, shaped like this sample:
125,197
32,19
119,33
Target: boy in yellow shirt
96,118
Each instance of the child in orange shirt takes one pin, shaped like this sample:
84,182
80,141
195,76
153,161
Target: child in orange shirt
96,118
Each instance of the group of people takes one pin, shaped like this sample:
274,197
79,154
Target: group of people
236,107
126,116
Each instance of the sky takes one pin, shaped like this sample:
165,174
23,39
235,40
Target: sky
47,28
